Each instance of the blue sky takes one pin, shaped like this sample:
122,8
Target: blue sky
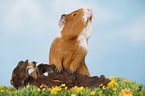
116,47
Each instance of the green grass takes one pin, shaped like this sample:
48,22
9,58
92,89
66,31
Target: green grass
133,87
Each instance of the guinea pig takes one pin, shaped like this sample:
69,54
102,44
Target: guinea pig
70,47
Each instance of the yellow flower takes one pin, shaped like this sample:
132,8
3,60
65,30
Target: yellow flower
92,93
101,85
77,89
38,89
2,90
126,92
112,83
114,89
65,88
73,95
111,78
43,89
55,89
0,85
62,85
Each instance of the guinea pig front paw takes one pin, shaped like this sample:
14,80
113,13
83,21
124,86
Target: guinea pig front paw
71,72
58,69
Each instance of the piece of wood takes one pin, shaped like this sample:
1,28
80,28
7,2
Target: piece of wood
21,78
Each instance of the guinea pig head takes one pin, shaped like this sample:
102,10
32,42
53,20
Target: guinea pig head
76,23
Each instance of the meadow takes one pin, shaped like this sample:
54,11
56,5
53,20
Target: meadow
118,86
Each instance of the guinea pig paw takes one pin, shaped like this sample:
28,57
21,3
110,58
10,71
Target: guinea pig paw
71,72
59,70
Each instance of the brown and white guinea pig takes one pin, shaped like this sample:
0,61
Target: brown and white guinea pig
70,47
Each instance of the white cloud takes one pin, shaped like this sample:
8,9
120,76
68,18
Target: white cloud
107,15
4,4
66,6
136,31
27,17
23,13
29,13
102,14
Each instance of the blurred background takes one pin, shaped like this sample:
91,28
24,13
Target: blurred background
116,47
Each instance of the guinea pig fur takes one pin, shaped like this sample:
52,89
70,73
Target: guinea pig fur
70,47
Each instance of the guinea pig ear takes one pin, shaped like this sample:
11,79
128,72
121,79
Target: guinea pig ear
62,21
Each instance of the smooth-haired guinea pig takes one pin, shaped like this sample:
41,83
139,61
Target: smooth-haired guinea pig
70,47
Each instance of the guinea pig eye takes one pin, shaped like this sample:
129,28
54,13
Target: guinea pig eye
74,14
